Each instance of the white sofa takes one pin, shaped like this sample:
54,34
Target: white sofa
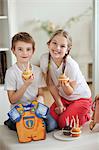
87,141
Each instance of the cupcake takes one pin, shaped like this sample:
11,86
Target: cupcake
75,132
63,78
67,129
27,73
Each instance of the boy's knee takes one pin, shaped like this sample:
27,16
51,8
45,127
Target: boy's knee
51,124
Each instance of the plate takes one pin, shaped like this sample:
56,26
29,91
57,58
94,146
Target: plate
60,136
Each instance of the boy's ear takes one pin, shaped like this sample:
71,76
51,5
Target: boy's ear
33,50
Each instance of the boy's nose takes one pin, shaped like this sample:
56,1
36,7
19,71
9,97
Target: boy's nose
24,52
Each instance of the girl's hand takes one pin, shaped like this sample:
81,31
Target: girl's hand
73,83
62,83
60,109
28,81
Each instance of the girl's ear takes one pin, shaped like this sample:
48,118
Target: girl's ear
13,50
48,44
66,51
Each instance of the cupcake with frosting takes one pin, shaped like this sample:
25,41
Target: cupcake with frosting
76,131
67,130
27,73
63,78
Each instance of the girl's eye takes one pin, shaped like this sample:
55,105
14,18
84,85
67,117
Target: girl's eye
62,46
54,43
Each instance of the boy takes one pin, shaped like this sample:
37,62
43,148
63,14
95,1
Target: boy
19,89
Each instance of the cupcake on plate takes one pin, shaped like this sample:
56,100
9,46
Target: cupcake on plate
67,130
76,131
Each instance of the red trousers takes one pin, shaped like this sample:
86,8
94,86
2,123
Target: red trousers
80,107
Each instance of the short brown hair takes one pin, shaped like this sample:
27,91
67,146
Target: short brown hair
22,36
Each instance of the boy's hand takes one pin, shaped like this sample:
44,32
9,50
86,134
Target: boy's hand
28,81
40,99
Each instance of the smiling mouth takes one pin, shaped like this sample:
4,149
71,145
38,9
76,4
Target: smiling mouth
24,57
56,52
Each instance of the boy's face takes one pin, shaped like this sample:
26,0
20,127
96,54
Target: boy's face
23,51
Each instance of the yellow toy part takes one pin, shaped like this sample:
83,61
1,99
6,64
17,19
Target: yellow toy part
30,127
20,108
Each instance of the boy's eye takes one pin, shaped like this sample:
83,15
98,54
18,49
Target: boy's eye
28,49
20,49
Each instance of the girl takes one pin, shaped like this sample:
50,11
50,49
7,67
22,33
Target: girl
72,95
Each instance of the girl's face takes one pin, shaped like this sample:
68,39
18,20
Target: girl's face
58,47
23,52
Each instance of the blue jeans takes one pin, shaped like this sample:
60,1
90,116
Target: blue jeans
50,122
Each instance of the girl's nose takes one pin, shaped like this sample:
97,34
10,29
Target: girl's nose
58,48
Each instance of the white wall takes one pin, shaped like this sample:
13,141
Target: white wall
96,45
57,11
4,105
